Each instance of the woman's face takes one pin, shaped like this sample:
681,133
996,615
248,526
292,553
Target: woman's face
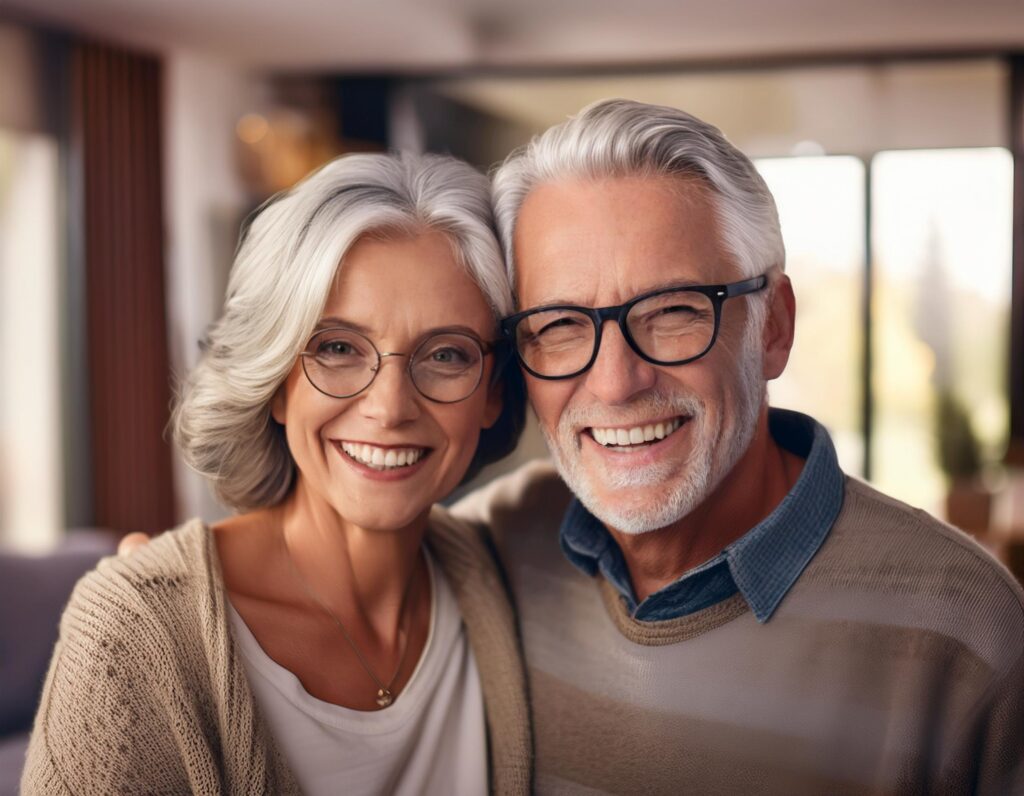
394,292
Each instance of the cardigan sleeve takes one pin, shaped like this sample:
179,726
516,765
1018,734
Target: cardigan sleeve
114,713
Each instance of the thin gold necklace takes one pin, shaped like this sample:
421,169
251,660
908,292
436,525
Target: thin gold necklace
384,694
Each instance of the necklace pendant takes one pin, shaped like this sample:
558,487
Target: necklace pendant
384,697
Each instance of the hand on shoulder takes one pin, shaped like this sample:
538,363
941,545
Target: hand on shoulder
131,543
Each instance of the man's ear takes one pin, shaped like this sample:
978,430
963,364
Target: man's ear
779,326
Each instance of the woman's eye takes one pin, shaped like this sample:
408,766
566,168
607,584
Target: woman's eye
335,348
449,356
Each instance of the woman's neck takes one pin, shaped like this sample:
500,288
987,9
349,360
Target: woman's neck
347,567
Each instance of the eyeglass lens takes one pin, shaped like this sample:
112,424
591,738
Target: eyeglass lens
668,327
444,367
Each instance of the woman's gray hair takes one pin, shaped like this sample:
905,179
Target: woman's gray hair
621,138
288,255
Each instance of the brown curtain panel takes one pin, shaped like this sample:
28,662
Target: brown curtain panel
1015,452
116,150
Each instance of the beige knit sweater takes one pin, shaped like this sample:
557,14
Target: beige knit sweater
895,664
146,692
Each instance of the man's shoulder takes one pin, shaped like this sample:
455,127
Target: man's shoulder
903,566
906,533
531,496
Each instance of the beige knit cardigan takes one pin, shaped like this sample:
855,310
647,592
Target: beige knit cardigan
146,692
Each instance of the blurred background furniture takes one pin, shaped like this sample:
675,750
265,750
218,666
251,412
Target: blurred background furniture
33,593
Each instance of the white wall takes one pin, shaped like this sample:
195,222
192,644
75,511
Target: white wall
205,202
31,473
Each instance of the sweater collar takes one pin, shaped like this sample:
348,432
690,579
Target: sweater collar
762,565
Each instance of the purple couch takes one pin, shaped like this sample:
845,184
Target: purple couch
33,593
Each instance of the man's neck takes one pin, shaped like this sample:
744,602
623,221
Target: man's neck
758,482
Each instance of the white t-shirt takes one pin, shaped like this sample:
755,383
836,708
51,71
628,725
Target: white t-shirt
430,741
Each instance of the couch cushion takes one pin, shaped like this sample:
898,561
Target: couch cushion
12,760
33,593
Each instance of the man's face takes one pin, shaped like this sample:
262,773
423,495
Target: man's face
598,243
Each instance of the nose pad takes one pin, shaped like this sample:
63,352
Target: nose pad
619,372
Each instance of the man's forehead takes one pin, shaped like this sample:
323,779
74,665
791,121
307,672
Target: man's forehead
605,240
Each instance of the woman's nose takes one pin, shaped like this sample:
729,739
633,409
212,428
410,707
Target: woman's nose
391,399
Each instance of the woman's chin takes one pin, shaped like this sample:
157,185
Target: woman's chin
385,518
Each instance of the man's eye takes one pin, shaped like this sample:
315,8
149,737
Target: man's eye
680,309
559,325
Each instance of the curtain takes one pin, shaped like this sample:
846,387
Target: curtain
116,152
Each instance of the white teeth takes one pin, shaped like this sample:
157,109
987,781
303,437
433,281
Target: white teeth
621,437
382,458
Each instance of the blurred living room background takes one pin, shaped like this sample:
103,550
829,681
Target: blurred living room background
135,137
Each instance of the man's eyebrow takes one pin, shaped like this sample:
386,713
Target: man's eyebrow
667,285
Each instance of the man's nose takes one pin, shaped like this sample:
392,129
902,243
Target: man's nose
618,373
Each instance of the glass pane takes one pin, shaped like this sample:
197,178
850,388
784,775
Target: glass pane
31,491
942,236
821,209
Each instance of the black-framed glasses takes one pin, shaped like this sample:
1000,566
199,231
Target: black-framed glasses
444,367
671,326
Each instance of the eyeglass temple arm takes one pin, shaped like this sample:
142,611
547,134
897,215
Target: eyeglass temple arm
751,285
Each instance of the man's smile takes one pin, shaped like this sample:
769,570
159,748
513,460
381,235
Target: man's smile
641,434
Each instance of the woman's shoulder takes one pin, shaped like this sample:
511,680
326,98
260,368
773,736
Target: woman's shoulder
457,541
469,560
127,593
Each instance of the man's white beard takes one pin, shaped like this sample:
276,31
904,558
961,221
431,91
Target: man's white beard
716,450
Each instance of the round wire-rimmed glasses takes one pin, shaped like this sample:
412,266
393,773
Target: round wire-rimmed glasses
444,367
671,326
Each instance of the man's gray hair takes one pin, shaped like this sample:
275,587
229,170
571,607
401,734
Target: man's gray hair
622,138
288,256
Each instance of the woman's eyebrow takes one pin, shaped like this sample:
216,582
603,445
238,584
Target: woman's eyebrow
332,321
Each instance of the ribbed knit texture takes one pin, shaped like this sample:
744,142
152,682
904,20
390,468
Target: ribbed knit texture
895,664
146,692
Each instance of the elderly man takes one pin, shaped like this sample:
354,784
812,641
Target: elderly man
707,603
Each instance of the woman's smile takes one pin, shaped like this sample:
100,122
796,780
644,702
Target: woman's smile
382,457
385,463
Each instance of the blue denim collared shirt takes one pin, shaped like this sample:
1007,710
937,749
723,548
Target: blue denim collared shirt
763,564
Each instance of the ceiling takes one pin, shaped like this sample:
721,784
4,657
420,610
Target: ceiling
417,36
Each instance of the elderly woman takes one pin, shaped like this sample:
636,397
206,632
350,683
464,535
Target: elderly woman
337,635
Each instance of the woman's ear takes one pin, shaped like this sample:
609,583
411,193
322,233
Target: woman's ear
495,402
279,404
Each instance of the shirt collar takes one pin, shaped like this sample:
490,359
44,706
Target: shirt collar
767,560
